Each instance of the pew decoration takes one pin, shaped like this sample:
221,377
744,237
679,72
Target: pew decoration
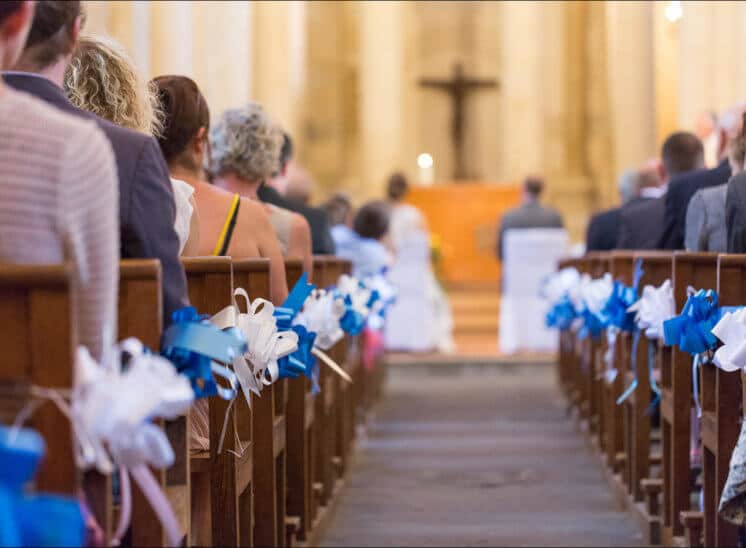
691,331
731,330
111,410
258,366
357,299
199,349
32,519
618,318
655,306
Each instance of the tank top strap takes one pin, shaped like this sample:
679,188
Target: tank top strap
224,240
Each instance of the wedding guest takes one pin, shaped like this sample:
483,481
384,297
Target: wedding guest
146,203
366,250
58,188
102,79
246,151
229,224
273,192
705,216
341,214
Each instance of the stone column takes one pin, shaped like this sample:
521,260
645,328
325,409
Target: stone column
381,56
631,82
280,60
171,30
222,53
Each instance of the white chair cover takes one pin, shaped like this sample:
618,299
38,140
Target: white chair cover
529,256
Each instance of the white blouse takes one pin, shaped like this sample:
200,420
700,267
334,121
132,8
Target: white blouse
184,210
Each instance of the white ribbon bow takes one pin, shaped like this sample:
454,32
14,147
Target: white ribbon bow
321,314
655,306
731,330
110,410
559,284
359,295
266,344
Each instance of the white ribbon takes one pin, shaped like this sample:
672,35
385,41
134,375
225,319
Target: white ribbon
359,294
591,293
321,314
655,306
266,344
731,330
559,284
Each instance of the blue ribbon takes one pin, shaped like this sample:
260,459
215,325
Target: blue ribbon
633,367
653,385
593,324
286,313
32,520
192,344
352,322
691,330
615,310
561,315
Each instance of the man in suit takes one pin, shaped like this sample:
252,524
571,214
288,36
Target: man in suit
682,190
603,228
146,202
270,192
640,225
530,214
735,213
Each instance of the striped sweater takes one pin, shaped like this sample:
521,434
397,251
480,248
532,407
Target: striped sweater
59,202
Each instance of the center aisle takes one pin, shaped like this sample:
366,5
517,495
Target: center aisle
479,456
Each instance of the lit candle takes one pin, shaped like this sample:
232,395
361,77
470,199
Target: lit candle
427,173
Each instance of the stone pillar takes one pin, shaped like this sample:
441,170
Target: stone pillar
381,55
222,53
631,82
171,30
280,60
666,43
126,22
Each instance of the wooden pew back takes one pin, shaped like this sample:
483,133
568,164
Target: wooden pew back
38,327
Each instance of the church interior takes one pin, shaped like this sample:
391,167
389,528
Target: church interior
367,273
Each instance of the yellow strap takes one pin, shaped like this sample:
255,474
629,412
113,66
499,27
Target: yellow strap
226,226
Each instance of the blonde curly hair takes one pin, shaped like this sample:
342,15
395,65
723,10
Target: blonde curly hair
102,79
246,141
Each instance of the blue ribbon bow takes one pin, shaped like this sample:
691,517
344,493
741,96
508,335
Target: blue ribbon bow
615,310
32,520
561,315
286,313
192,344
691,330
593,324
352,322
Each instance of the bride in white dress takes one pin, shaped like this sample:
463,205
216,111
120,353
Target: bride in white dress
420,320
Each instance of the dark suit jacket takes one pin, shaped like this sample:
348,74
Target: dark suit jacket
603,230
321,235
680,191
146,201
641,223
735,213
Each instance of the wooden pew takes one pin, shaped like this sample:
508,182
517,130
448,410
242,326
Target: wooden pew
140,316
269,430
220,478
622,270
301,507
566,346
598,265
581,400
656,267
721,412
39,342
698,270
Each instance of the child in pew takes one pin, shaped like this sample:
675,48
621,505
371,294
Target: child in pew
102,79
366,247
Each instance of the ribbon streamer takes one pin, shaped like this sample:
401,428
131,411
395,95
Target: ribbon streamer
193,344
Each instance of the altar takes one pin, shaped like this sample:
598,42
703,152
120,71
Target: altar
463,219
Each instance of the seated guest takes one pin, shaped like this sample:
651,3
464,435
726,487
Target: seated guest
246,145
229,224
366,251
341,214
603,228
705,216
641,223
678,196
530,214
272,192
299,185
146,203
58,187
102,79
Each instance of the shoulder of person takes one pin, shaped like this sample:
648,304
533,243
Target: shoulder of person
252,211
125,140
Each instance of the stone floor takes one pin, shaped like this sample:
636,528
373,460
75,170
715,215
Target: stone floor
476,456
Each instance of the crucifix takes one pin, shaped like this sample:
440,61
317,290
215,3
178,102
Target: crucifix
458,86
